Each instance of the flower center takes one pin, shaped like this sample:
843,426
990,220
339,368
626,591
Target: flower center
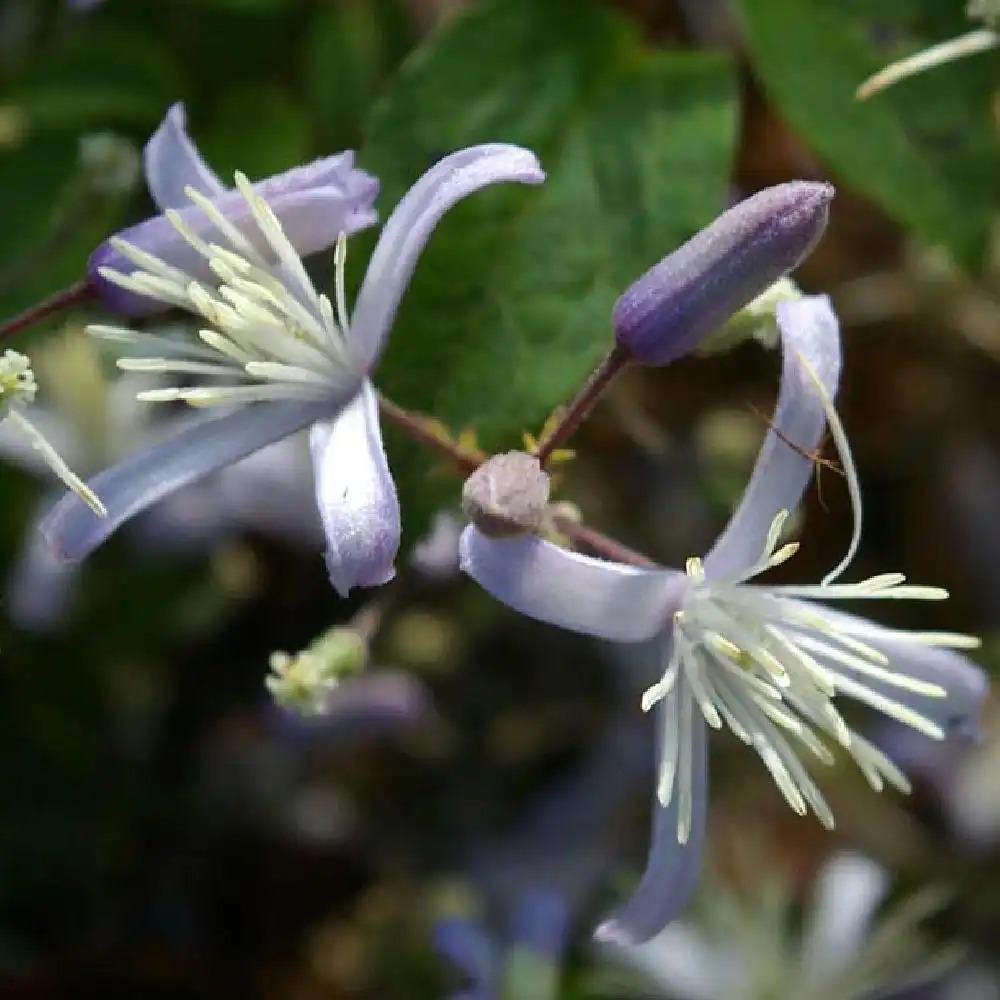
768,665
271,333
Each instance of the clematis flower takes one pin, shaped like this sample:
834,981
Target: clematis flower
17,393
768,662
314,203
279,356
845,946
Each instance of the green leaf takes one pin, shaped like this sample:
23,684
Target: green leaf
280,136
926,150
98,77
510,307
349,50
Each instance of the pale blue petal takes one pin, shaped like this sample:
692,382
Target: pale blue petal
202,446
356,495
40,587
172,163
540,922
315,203
409,227
673,869
466,945
320,200
809,328
965,682
573,591
850,887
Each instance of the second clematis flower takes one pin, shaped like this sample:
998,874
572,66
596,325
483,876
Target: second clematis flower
315,203
277,356
768,662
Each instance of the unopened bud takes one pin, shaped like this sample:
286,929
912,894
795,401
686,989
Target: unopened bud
694,290
507,495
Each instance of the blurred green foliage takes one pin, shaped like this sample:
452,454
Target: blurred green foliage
925,150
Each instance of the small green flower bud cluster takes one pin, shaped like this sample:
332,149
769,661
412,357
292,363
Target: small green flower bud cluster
303,683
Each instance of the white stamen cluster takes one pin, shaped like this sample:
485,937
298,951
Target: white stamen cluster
17,392
271,333
769,667
17,382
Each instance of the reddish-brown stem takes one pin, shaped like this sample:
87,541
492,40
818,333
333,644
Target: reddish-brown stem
601,545
577,411
428,433
68,297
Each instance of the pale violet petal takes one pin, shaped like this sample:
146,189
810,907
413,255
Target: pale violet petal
966,683
172,163
810,331
849,889
573,591
40,586
356,495
312,217
540,922
314,203
409,227
683,963
466,945
202,446
673,869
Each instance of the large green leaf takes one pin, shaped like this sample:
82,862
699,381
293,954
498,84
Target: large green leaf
510,307
925,150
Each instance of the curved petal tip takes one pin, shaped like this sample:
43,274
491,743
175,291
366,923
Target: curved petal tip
356,496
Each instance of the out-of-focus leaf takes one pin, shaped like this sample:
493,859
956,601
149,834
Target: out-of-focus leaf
349,50
99,76
926,150
258,130
510,307
243,6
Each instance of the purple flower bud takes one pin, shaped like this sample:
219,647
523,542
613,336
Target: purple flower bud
694,290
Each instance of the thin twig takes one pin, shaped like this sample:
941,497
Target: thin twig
80,292
428,432
577,411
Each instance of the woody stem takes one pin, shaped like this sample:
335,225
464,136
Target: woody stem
614,363
429,433
68,297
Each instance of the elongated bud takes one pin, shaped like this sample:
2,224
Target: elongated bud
507,495
694,290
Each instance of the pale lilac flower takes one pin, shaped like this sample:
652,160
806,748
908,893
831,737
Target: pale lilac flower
756,948
17,392
314,203
763,660
280,357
